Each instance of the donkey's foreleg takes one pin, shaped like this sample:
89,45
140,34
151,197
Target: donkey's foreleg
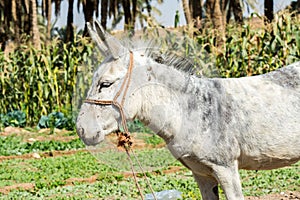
208,187
229,179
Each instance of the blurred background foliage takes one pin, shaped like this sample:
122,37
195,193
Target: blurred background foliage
45,70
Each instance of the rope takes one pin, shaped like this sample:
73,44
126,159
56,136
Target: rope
134,175
145,176
124,139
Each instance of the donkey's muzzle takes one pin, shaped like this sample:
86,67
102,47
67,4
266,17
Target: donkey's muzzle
89,141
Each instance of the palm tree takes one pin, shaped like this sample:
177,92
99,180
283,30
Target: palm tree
34,30
215,15
47,12
70,28
187,11
19,17
192,10
233,7
196,8
104,13
90,7
130,10
129,18
269,14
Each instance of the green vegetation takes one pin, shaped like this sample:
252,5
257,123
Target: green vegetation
38,82
56,78
63,177
14,145
271,181
252,51
154,140
85,175
14,118
249,50
56,120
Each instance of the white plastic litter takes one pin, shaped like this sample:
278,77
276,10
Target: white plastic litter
165,195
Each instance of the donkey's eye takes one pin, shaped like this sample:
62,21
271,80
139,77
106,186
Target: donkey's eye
104,85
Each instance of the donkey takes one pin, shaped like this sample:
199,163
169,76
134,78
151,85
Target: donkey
214,126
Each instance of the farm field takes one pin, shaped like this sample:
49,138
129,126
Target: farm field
40,165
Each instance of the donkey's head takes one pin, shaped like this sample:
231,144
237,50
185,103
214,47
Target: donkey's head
151,97
97,119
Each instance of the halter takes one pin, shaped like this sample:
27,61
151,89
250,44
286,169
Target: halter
124,137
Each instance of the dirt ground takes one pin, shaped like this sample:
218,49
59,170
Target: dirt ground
282,196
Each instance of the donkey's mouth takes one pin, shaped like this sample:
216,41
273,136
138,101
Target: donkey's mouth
89,141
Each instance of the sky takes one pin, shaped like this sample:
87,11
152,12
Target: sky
168,10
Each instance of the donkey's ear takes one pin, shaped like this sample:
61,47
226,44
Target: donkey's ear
98,40
115,47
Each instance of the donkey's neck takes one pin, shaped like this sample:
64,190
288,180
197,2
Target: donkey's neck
162,95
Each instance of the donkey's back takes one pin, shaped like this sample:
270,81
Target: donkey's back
267,117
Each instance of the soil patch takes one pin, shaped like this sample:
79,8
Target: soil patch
92,179
282,196
42,154
18,186
39,135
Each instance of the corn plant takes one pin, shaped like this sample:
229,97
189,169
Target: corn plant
248,51
39,82
256,51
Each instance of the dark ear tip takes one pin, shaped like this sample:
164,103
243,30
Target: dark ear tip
96,23
99,29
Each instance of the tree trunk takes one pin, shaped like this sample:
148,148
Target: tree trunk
187,12
235,6
7,17
214,12
127,15
197,13
34,24
134,10
88,10
70,28
269,15
49,13
14,19
25,20
104,10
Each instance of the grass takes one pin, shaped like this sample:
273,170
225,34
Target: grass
118,187
68,176
82,175
110,189
14,145
271,181
48,172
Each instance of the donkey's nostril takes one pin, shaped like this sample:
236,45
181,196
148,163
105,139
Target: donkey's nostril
80,131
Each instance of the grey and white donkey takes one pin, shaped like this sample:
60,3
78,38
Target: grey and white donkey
214,126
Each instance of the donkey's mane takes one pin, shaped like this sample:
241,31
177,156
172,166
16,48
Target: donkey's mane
153,50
